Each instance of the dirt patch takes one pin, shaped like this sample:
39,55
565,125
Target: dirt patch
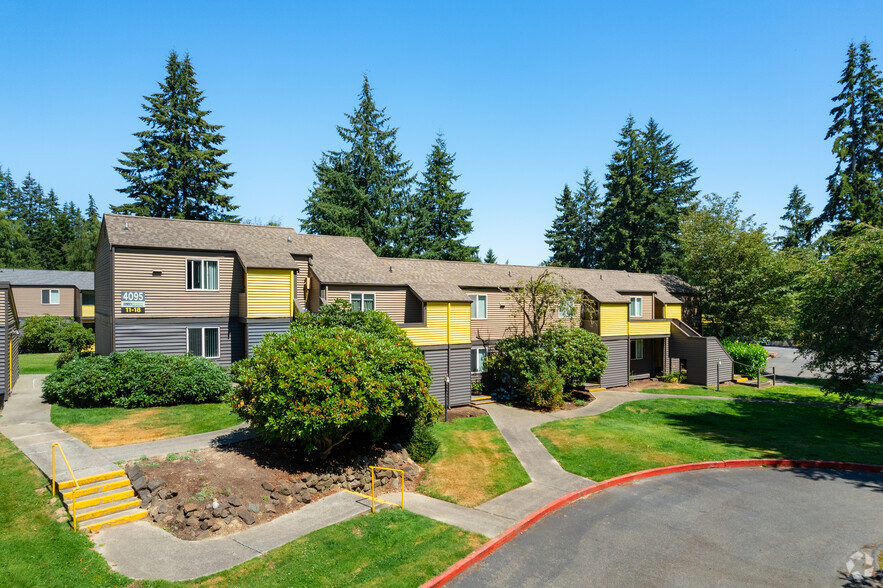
465,412
218,491
639,385
122,431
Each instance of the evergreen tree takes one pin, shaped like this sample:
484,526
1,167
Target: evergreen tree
563,236
670,183
490,257
48,233
439,221
622,226
363,190
801,228
176,170
855,193
588,209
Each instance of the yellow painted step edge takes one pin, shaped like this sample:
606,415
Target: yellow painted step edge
134,516
90,479
122,483
112,507
480,402
87,502
596,389
481,398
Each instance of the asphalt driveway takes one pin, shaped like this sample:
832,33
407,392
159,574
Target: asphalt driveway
738,527
789,362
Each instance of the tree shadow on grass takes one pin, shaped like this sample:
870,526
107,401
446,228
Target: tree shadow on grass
788,431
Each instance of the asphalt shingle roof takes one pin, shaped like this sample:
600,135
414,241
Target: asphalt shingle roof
30,277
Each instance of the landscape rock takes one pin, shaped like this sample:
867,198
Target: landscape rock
155,484
246,516
204,525
305,496
235,501
189,508
270,508
134,472
267,486
216,527
298,488
140,483
254,508
285,491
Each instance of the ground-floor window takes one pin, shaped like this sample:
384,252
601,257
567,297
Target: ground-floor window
204,341
638,349
362,301
479,354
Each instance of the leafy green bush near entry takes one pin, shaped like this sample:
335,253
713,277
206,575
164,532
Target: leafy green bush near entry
423,443
523,370
748,357
48,333
322,382
136,379
675,377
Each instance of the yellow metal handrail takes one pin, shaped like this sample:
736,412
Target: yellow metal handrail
373,497
56,489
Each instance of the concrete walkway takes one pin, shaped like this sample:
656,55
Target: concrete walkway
178,444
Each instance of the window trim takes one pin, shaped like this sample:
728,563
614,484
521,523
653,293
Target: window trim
473,357
567,302
634,352
203,261
51,290
361,296
474,309
640,301
202,338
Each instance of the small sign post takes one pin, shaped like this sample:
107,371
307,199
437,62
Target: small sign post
447,395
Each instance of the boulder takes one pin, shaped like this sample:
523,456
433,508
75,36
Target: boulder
267,486
305,497
216,527
134,472
189,508
298,488
155,484
254,508
203,515
204,525
312,480
285,490
140,483
270,508
234,501
246,516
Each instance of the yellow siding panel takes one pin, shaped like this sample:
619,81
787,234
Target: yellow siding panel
674,311
461,323
614,320
662,327
268,293
88,311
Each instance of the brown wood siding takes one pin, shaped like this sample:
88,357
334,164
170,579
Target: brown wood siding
300,278
648,308
166,295
504,317
387,299
314,294
28,301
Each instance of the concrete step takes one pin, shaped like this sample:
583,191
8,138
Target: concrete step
97,487
480,402
477,398
100,510
117,518
91,479
596,389
101,497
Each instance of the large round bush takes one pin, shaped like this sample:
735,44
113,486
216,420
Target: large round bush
578,355
748,357
136,379
316,385
48,333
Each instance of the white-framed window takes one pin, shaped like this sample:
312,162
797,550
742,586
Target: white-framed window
49,296
567,310
202,274
361,301
204,341
479,306
479,354
636,306
638,349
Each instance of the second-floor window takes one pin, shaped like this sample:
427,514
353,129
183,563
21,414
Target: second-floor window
202,274
49,296
636,304
479,306
88,298
362,301
567,310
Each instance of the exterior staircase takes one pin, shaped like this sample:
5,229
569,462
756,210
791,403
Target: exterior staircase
102,500
739,378
479,400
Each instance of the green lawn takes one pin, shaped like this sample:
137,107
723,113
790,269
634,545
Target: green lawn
654,433
473,463
391,548
109,427
37,363
780,392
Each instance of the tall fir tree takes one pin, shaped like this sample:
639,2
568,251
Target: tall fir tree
588,210
439,219
176,171
800,227
855,193
622,226
48,233
563,236
363,190
490,256
671,194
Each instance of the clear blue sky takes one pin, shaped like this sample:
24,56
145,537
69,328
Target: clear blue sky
526,94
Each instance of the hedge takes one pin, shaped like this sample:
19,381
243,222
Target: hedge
748,357
136,379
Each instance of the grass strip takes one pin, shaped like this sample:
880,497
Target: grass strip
37,363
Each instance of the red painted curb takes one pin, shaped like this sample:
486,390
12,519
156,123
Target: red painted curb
494,544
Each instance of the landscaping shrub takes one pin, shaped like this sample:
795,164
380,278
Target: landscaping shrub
423,443
48,333
578,355
748,357
522,369
477,387
136,379
321,382
675,377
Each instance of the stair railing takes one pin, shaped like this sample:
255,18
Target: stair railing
55,488
760,372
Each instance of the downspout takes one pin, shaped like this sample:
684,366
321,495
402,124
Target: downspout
448,371
628,351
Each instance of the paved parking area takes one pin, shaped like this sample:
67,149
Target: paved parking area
739,527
